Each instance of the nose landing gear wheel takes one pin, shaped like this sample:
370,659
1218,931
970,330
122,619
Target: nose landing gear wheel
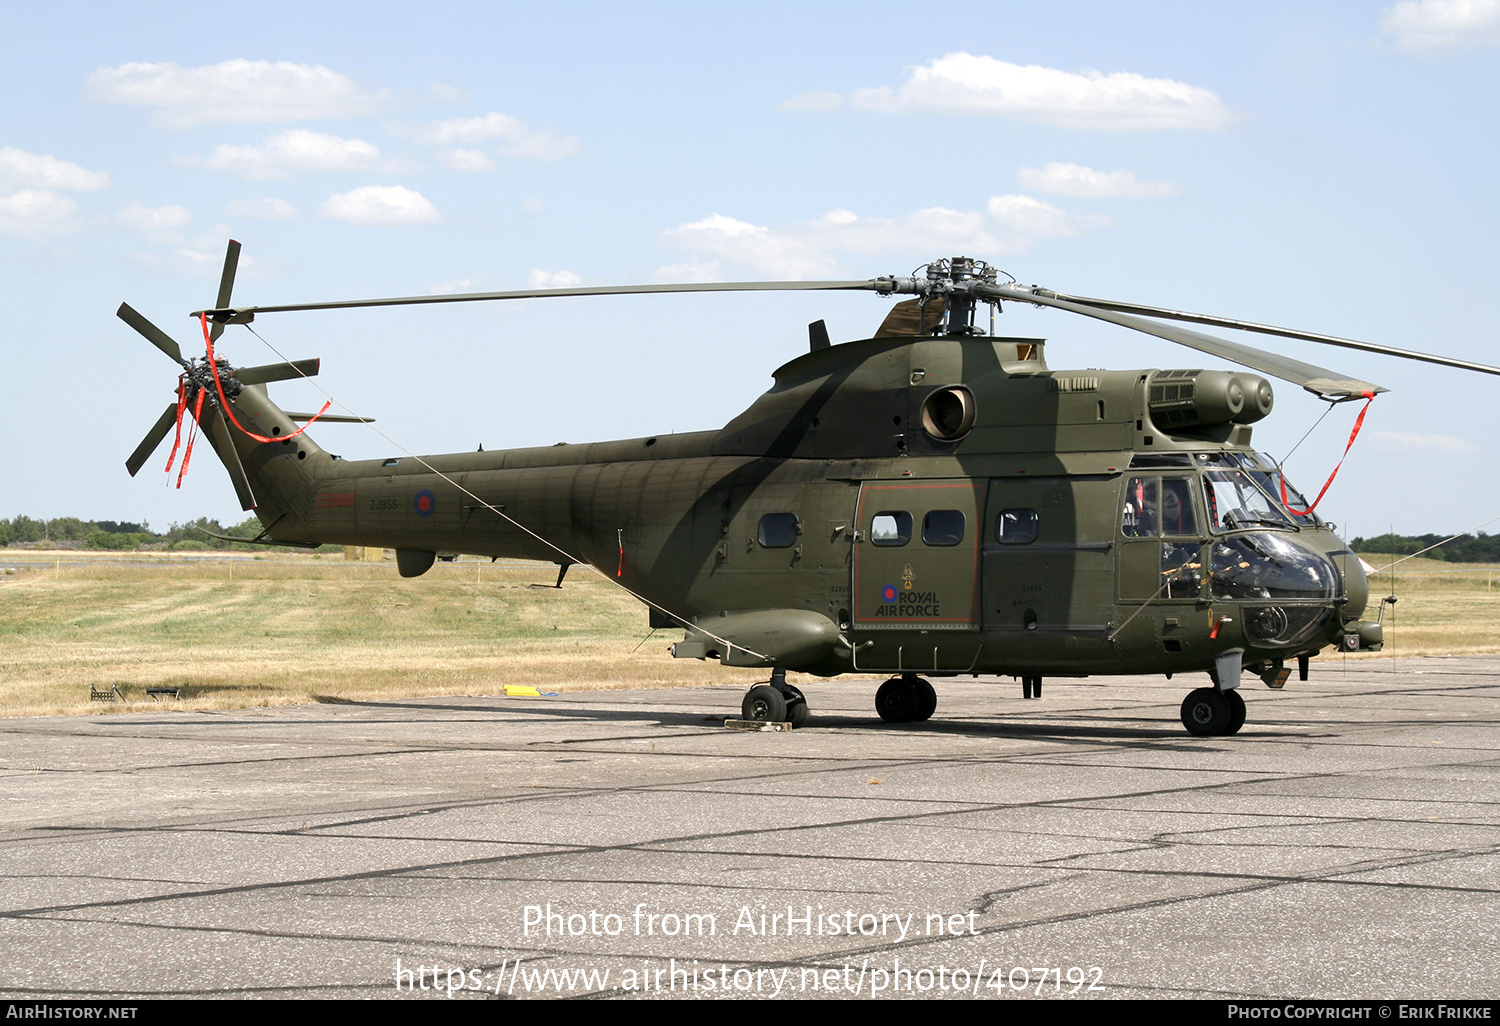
1236,712
1205,712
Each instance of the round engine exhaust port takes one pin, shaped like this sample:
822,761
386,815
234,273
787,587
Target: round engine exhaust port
948,413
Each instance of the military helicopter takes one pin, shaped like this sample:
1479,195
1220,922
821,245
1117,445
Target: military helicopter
930,502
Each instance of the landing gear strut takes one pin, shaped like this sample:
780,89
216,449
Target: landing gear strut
906,699
775,702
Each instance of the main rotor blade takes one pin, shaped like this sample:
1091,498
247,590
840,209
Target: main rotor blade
232,315
226,285
222,439
277,371
160,339
1318,380
152,440
1267,329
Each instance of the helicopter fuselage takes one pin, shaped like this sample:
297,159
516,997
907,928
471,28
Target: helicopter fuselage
933,505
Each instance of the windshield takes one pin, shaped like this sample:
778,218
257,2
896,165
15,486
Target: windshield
1235,500
1268,475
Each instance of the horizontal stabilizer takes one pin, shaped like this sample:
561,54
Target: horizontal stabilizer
277,371
329,418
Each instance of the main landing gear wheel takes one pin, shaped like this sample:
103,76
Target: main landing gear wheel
765,704
1206,712
905,699
796,703
926,698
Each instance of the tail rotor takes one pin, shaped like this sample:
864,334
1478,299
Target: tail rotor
199,392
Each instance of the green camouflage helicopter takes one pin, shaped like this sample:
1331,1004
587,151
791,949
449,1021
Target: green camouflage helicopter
930,502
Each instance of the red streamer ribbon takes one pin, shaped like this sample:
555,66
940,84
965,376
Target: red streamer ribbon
187,454
229,410
1358,422
181,408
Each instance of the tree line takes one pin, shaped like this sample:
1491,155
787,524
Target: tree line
1469,548
73,533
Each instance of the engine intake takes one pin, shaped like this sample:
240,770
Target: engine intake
1180,399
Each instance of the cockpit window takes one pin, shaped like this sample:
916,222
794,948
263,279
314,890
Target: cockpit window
1158,506
1236,501
1268,475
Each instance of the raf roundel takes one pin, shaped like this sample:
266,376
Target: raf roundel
888,593
424,503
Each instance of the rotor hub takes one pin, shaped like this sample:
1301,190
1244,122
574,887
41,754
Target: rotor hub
959,281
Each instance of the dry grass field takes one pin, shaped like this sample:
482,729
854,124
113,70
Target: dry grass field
277,628
1441,608
284,628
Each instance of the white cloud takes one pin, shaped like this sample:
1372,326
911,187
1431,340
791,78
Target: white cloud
285,154
1077,180
517,138
1427,27
1024,220
1433,444
540,279
478,282
234,91
1122,101
203,257
157,224
41,171
35,213
532,206
813,101
465,160
693,270
783,254
380,204
1008,225
268,209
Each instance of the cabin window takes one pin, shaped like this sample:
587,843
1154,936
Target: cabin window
1016,526
890,528
943,527
779,530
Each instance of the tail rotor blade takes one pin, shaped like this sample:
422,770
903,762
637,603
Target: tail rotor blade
226,285
160,339
152,440
277,372
220,436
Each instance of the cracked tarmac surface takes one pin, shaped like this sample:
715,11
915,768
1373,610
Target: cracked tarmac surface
1344,845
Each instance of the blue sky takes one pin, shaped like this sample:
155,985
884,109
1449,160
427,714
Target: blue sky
1324,166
